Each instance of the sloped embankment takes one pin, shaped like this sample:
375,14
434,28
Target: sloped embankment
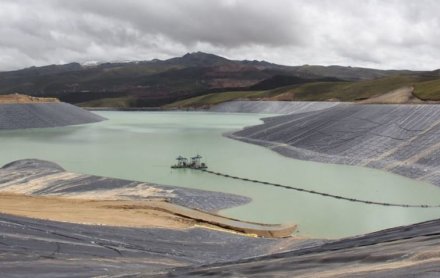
39,115
41,248
407,251
403,139
79,198
272,107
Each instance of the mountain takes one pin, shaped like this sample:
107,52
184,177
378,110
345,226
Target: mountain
160,82
198,59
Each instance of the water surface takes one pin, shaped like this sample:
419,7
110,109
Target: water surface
142,146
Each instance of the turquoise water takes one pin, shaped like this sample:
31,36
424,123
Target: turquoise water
142,146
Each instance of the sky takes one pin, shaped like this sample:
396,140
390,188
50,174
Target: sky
385,34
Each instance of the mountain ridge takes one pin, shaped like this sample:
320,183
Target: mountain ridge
160,82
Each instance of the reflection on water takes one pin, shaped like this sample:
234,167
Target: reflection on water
143,145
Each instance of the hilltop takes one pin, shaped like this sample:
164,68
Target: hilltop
198,75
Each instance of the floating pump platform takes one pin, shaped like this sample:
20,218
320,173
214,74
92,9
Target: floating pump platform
194,163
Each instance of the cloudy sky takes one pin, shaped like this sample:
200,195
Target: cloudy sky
369,33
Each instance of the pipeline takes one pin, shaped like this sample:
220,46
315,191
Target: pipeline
319,193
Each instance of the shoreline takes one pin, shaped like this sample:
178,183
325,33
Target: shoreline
245,106
47,191
110,219
133,214
89,212
379,136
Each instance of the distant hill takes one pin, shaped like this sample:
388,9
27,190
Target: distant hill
161,82
390,89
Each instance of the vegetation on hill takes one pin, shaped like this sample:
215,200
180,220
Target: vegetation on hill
425,88
194,75
428,90
216,98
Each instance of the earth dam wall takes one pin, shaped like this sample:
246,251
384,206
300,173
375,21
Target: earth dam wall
272,107
407,251
40,115
403,139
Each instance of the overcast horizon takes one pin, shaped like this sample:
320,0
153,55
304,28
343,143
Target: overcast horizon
383,34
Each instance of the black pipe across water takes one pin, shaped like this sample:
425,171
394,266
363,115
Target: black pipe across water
320,193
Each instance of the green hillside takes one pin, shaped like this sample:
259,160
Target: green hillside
158,83
216,98
426,88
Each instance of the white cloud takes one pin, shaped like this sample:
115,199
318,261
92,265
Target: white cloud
371,33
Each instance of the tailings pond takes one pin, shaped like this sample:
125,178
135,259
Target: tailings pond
143,145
